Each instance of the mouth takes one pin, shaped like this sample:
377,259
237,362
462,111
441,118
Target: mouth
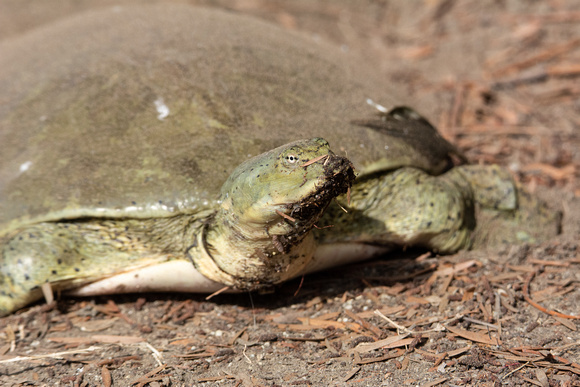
336,179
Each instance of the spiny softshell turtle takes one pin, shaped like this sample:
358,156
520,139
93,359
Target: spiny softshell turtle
119,129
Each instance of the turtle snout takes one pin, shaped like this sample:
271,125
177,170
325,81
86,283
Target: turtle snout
339,171
336,178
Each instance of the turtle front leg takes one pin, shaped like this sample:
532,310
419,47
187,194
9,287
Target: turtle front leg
33,256
468,206
72,254
408,207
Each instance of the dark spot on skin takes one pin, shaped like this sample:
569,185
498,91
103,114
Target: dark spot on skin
59,261
19,261
77,269
417,181
188,168
54,272
26,277
429,224
449,217
134,203
431,204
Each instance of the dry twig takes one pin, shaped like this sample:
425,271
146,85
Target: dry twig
528,298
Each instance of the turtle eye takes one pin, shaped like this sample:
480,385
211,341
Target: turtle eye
292,159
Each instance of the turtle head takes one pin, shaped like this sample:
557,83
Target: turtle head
285,189
260,234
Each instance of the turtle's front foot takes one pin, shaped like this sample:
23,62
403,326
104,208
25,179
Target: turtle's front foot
18,285
418,209
28,259
406,207
467,207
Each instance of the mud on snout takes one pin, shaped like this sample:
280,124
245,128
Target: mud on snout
338,178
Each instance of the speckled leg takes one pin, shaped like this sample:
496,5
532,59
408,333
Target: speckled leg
68,255
406,207
32,257
468,206
424,210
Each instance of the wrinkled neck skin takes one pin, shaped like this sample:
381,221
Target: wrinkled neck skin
260,234
256,255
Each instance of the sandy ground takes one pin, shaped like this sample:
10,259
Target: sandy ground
501,80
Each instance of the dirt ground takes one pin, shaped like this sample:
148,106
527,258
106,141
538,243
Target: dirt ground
502,80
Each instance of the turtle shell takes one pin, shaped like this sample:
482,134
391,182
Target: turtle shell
145,111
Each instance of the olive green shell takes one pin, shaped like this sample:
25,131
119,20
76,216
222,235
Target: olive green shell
83,130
